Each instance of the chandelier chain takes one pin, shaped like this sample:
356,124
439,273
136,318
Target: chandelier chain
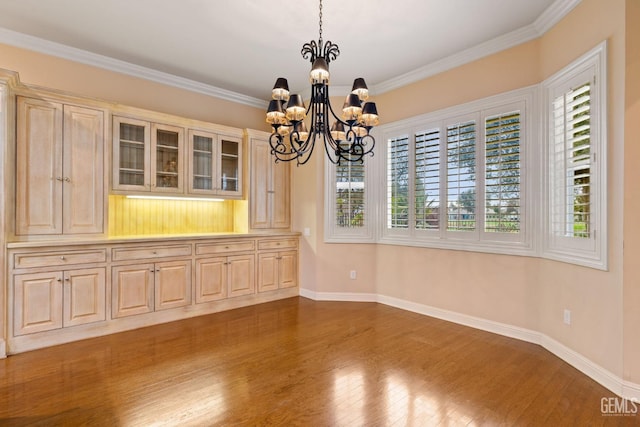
320,16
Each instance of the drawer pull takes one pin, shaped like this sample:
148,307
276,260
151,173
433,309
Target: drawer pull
226,247
62,258
155,252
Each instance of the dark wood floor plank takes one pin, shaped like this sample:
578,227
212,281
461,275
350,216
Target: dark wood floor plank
297,362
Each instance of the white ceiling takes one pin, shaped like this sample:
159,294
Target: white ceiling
238,48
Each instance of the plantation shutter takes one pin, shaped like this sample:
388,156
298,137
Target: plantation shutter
571,164
461,181
502,173
350,195
427,180
398,183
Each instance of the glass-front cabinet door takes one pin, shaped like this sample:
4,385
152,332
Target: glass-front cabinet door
166,158
230,166
131,166
147,156
202,162
215,165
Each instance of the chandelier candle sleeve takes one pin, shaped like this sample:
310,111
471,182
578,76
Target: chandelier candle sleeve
346,139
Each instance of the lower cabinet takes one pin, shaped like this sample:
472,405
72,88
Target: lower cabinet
143,288
56,299
224,276
65,292
277,270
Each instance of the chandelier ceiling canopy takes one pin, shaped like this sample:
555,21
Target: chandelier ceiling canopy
346,138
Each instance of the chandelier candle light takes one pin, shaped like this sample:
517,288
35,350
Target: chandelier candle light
346,139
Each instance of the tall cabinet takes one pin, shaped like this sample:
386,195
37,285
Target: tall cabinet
270,193
59,168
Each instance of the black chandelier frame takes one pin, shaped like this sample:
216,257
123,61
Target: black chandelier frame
346,139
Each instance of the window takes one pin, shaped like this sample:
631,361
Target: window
502,173
520,173
575,214
348,198
454,177
461,179
427,180
349,195
398,182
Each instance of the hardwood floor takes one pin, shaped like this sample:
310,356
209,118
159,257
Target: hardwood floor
297,362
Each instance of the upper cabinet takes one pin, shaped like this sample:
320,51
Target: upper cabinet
215,164
269,198
59,168
153,157
147,156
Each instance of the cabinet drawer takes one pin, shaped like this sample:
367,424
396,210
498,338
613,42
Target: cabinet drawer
277,244
58,258
150,252
225,247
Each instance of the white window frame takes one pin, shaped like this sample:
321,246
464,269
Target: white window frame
521,243
591,251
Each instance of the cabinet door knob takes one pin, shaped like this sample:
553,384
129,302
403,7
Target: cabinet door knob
152,270
59,279
58,178
67,279
66,179
157,270
62,258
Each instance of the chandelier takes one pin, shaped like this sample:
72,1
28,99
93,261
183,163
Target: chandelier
346,138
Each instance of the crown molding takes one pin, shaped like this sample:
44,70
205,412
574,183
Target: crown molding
47,47
551,16
554,13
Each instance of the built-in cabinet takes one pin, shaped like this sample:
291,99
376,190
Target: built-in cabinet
215,164
56,289
143,288
270,188
225,269
277,264
147,156
59,168
153,157
61,294
81,283
159,279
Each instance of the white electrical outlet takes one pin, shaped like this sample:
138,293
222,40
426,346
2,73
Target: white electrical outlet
567,316
353,275
307,231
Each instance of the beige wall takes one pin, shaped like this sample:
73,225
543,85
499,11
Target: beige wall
84,80
526,292
632,195
594,297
